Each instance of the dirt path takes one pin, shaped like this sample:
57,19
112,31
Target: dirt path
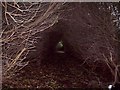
58,72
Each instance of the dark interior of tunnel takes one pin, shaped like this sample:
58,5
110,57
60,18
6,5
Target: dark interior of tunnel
56,56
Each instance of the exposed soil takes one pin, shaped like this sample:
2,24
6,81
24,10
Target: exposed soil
60,71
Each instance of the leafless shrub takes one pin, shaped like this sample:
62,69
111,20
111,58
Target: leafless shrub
93,37
22,20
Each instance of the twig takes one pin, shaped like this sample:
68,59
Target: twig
12,64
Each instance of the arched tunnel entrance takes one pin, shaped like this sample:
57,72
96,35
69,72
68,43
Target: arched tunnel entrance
77,49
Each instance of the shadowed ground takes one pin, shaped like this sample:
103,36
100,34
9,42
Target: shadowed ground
60,71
